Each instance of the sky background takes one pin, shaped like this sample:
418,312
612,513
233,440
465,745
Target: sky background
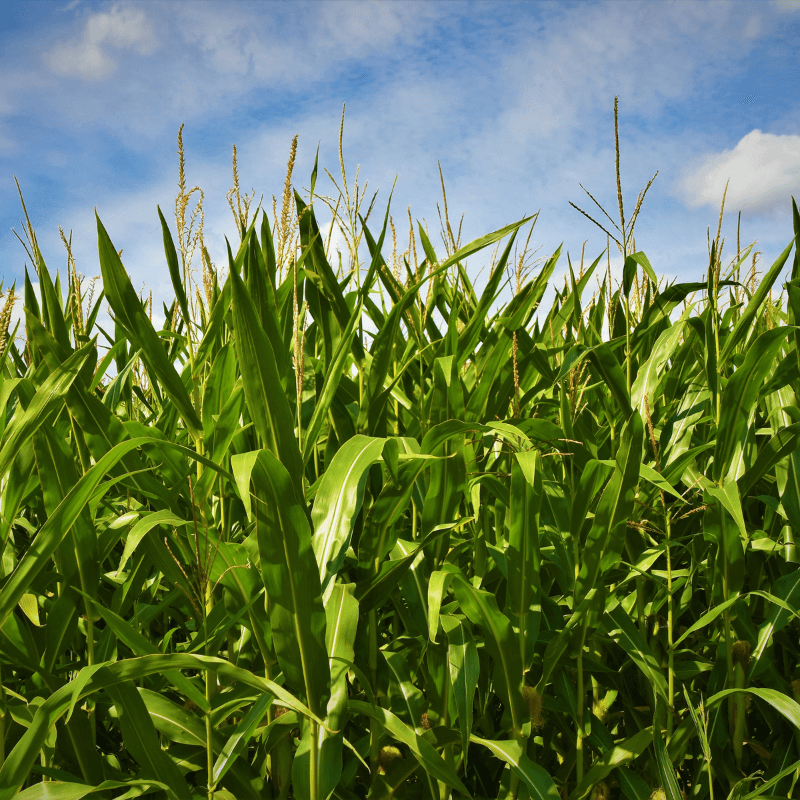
514,99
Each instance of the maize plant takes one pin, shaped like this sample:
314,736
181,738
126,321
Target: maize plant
320,530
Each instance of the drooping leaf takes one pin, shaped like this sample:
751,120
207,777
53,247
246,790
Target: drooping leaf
291,576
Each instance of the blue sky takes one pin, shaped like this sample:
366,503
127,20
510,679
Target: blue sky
514,99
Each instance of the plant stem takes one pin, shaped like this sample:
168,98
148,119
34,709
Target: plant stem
726,625
313,766
670,622
445,791
300,383
628,344
209,678
715,322
579,700
576,554
209,736
739,727
374,738
640,606
90,704
2,722
710,782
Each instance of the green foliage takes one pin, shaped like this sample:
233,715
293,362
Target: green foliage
365,534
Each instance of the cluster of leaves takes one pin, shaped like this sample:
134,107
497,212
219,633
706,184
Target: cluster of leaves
478,554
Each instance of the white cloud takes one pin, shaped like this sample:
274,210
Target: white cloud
6,143
763,169
516,122
314,41
87,58
754,28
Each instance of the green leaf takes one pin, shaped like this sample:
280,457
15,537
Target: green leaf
728,496
557,646
78,555
268,406
57,790
47,400
745,323
140,646
468,337
706,618
174,721
699,726
174,268
141,739
629,271
331,384
63,518
380,530
481,609
129,312
608,369
539,783
438,584
291,576
782,444
606,537
19,761
425,754
647,377
462,657
372,591
523,555
341,614
619,626
787,589
774,780
738,399
405,699
622,753
338,502
783,704
98,426
52,315
372,410
138,532
240,737
666,771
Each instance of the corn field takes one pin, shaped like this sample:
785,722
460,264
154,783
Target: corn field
353,531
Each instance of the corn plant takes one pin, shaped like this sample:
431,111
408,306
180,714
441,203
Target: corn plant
363,531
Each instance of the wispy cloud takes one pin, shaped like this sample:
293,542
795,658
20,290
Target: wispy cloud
88,57
515,100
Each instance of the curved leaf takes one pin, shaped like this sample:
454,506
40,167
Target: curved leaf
292,580
538,781
338,502
428,758
18,762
